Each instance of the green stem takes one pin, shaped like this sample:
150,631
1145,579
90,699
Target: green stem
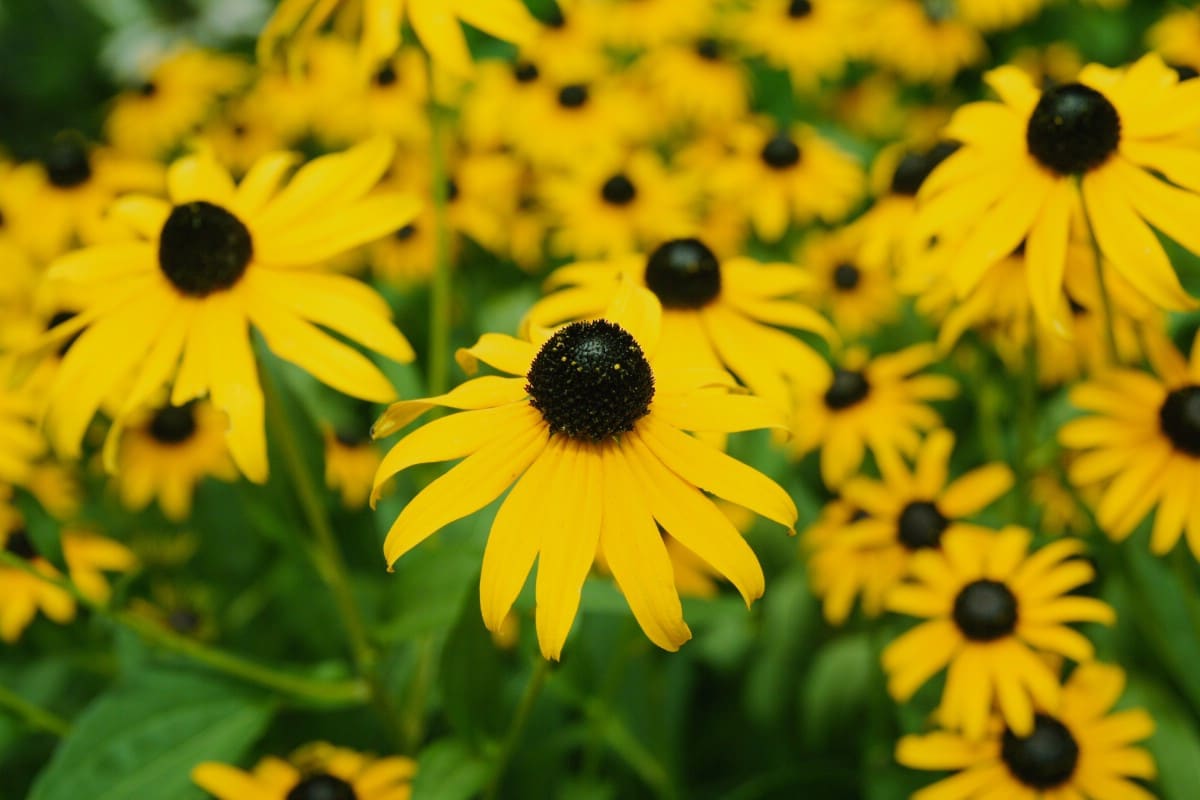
1110,334
1026,421
412,726
35,717
532,690
319,691
442,289
327,556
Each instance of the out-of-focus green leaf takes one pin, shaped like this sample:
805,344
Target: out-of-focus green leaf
789,619
471,676
1175,744
837,686
143,737
449,770
43,530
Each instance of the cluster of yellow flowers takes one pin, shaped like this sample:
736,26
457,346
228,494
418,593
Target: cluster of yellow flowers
148,277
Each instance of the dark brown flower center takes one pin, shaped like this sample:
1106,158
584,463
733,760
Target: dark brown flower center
780,152
66,162
618,190
985,610
203,248
798,9
684,273
1179,419
591,381
846,277
1046,758
173,424
526,72
915,167
849,387
1073,129
19,544
921,525
573,96
322,787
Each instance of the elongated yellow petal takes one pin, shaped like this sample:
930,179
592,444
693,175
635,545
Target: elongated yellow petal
327,359
326,183
1046,259
199,177
1170,209
638,311
145,215
788,314
637,556
509,20
381,29
570,530
103,263
975,490
441,35
339,230
708,468
261,182
233,382
694,521
450,438
337,302
718,411
473,483
505,353
515,539
485,392
225,782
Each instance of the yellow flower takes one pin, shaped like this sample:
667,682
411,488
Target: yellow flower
569,46
921,40
22,595
906,513
350,464
167,453
21,443
176,302
811,39
435,22
992,612
1142,442
716,314
568,124
316,771
589,426
673,72
881,404
603,209
1029,162
349,105
651,23
989,15
1081,750
1176,37
859,295
787,176
173,101
837,574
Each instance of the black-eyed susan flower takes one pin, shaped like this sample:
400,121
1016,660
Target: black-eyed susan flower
716,314
566,124
651,23
858,295
23,594
788,176
811,39
988,15
178,94
838,574
673,72
318,771
59,201
1176,37
590,427
613,208
176,300
922,41
1082,750
992,612
166,451
1141,442
906,512
436,23
880,404
1028,163
569,46
351,460
350,104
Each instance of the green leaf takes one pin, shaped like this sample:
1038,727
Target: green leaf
43,530
1175,744
449,770
837,687
143,737
472,674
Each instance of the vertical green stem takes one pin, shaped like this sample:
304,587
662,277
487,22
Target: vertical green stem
1110,331
442,286
513,738
35,717
327,557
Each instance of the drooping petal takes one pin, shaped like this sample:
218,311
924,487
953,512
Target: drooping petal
485,392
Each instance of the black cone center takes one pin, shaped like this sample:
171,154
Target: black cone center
799,8
173,424
985,610
780,152
846,277
1073,129
322,787
684,273
67,163
525,72
1179,419
203,248
573,96
19,544
848,388
921,525
591,381
618,190
1044,759
915,167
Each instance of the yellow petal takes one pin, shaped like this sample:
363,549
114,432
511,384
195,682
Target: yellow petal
497,350
199,177
261,182
638,311
338,230
1046,259
508,20
233,382
485,392
440,34
718,411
